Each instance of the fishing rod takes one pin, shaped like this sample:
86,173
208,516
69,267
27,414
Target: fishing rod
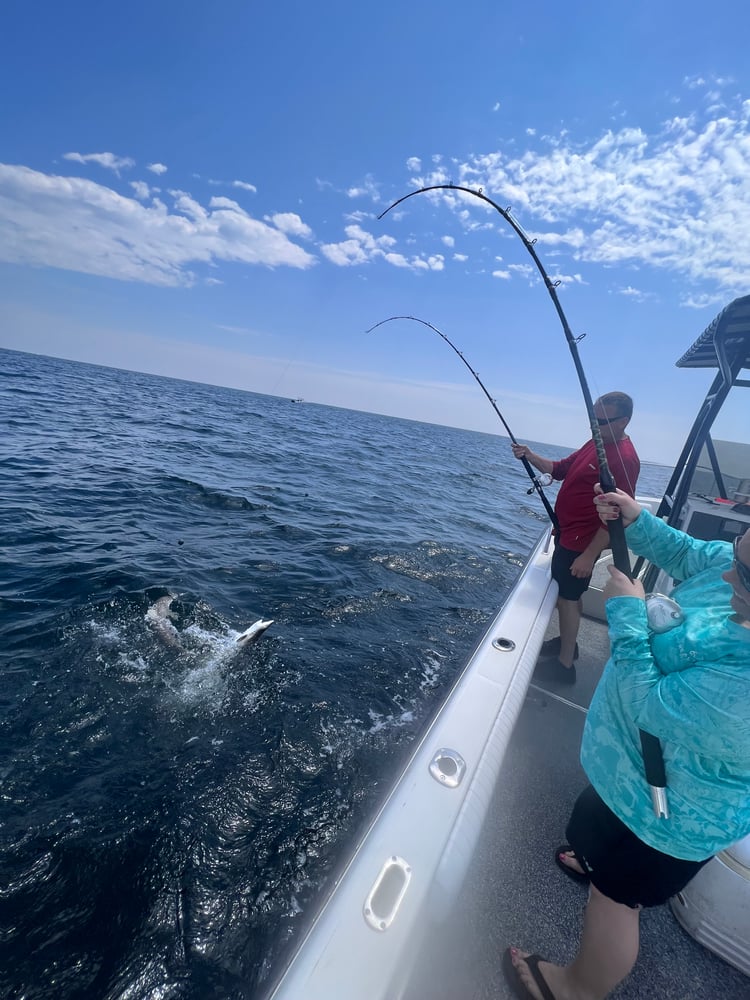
536,482
653,759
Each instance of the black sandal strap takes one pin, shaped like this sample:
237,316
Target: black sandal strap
533,963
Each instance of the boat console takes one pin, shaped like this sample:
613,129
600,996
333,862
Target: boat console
708,518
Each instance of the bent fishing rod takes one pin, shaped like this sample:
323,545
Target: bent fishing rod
653,759
536,482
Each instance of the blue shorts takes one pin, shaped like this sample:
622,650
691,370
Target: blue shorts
618,863
570,588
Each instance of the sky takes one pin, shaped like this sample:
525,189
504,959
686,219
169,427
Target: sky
193,190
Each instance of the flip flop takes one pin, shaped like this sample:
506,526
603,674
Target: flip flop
581,877
515,982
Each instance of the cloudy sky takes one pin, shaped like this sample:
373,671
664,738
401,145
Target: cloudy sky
193,189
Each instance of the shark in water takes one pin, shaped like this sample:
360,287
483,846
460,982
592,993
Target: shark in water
159,616
253,631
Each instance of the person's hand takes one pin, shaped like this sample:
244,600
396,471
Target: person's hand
620,585
582,566
610,505
521,450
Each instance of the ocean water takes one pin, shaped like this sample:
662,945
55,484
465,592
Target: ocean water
172,803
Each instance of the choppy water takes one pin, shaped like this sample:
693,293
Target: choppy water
170,812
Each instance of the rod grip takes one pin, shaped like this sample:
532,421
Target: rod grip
620,555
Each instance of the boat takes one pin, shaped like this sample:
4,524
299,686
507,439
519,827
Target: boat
456,864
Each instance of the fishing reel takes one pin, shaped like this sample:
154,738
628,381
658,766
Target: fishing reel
663,613
543,480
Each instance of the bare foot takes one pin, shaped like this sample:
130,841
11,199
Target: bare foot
569,859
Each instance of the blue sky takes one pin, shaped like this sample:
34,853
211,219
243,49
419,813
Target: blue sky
192,189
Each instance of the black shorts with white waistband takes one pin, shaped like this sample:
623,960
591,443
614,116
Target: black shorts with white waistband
618,863
570,587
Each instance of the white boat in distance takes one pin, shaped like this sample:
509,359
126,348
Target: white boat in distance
457,863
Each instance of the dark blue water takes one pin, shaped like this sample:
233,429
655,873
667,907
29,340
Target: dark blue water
169,813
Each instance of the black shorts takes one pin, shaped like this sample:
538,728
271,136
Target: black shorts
570,587
618,863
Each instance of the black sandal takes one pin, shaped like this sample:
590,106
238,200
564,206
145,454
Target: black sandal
581,877
516,983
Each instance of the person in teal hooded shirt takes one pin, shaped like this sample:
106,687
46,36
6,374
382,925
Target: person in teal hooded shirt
690,687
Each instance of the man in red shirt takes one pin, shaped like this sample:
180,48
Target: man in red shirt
582,538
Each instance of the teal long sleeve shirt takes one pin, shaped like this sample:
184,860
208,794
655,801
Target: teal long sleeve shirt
691,688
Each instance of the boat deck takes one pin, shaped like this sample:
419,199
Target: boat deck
515,894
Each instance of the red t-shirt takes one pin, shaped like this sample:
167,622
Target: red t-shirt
575,508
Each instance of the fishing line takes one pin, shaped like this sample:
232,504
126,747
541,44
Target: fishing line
650,746
536,482
630,486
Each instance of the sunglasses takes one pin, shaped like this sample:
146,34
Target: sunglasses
743,570
603,421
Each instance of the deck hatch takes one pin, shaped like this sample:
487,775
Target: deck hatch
384,899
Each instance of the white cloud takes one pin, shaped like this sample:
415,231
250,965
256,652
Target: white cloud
567,279
501,274
368,188
156,168
413,164
346,253
633,293
245,186
291,224
108,160
362,247
142,190
460,257
357,216
79,225
449,241
702,301
668,199
244,330
527,270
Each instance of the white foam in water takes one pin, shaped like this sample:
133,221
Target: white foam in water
210,653
132,662
380,722
105,633
205,682
430,672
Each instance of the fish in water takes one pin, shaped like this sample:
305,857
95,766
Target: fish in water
253,632
159,616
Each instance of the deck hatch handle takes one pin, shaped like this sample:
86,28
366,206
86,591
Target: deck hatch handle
448,767
384,899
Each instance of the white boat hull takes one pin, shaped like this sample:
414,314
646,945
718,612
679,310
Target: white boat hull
401,881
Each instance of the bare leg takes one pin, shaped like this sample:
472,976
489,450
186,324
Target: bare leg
609,946
569,614
608,950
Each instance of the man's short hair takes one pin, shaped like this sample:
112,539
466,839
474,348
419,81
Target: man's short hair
621,401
